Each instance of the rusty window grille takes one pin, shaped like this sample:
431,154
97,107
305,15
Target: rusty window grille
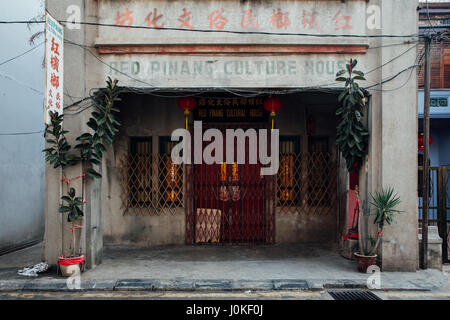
170,176
289,191
307,181
140,182
151,184
319,173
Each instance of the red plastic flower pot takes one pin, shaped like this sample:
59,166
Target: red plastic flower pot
70,265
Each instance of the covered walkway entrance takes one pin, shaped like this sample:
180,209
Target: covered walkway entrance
154,201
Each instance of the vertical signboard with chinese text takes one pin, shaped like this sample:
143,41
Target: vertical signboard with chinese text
54,68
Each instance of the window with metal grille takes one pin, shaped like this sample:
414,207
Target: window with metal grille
306,181
151,183
319,171
289,179
170,175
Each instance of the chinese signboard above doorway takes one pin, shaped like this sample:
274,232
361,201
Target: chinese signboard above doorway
54,68
289,17
229,43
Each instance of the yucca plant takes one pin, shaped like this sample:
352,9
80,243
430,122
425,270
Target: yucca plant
384,202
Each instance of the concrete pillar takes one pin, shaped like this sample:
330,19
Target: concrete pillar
398,157
93,222
57,229
52,244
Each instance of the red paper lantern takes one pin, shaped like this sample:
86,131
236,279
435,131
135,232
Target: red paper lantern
187,104
272,105
420,141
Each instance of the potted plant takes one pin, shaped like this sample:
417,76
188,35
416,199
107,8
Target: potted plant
384,203
90,147
72,263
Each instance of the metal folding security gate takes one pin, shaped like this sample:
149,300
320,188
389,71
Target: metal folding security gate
439,205
229,202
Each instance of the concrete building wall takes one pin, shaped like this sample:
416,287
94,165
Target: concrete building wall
22,168
57,230
141,116
399,159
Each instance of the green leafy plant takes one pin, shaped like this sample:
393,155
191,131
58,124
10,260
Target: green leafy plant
89,147
384,203
72,206
57,154
351,136
104,123
74,213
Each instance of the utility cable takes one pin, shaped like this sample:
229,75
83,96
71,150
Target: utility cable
224,31
22,54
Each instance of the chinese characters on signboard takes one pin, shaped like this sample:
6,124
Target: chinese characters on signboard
220,19
54,68
222,109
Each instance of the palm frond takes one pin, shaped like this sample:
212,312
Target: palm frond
384,202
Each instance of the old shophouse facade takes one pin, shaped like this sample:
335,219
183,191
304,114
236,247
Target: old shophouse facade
439,22
230,56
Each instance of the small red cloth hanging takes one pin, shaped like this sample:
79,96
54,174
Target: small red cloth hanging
351,236
68,180
75,226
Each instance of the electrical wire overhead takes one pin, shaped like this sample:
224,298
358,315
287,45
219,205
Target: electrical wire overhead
21,133
225,31
22,54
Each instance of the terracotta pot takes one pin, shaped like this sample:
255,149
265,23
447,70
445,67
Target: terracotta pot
363,262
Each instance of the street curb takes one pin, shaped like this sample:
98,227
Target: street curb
201,285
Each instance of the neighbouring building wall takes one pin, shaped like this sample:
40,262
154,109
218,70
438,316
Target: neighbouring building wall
439,18
444,147
22,167
440,148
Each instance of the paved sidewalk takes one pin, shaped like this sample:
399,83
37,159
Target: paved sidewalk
216,268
